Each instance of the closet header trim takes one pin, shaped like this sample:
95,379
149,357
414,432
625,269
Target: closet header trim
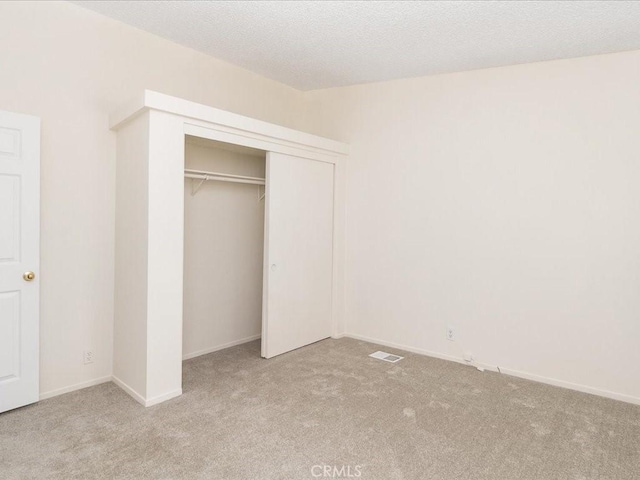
150,100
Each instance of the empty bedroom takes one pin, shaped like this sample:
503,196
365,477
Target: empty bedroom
273,240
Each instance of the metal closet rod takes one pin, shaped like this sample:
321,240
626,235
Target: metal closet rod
223,177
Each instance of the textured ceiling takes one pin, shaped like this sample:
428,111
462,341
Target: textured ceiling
320,44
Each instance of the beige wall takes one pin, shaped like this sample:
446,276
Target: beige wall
72,67
503,202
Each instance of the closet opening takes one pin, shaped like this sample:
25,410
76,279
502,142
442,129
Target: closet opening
224,215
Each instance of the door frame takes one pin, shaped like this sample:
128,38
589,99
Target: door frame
154,126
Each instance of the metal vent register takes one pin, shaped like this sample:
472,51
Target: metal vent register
387,357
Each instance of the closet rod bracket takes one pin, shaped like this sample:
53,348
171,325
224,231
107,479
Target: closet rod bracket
195,189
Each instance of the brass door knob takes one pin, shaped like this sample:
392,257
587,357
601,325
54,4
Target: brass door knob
28,276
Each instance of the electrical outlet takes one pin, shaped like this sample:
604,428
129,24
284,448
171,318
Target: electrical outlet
451,334
87,356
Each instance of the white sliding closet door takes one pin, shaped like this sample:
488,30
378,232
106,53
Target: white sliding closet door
298,253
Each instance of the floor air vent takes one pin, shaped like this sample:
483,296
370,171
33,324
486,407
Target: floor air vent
387,357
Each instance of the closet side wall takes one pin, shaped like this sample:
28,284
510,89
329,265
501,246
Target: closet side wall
131,259
224,242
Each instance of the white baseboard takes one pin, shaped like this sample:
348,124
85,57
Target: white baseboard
408,348
572,386
514,373
135,395
139,398
143,401
162,398
73,388
221,347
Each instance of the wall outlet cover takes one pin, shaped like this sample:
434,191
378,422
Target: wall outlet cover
451,333
87,357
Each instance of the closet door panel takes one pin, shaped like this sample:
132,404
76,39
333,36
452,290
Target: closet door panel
298,253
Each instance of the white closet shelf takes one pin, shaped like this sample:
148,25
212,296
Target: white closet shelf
223,177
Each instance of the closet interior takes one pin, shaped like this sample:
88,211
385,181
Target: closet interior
224,215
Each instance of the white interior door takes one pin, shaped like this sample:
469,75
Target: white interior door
19,259
298,253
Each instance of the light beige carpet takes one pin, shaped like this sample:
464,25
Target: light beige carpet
326,411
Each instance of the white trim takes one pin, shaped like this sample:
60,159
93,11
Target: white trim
572,386
514,373
73,388
150,100
162,398
140,399
221,347
407,348
127,112
221,133
135,395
